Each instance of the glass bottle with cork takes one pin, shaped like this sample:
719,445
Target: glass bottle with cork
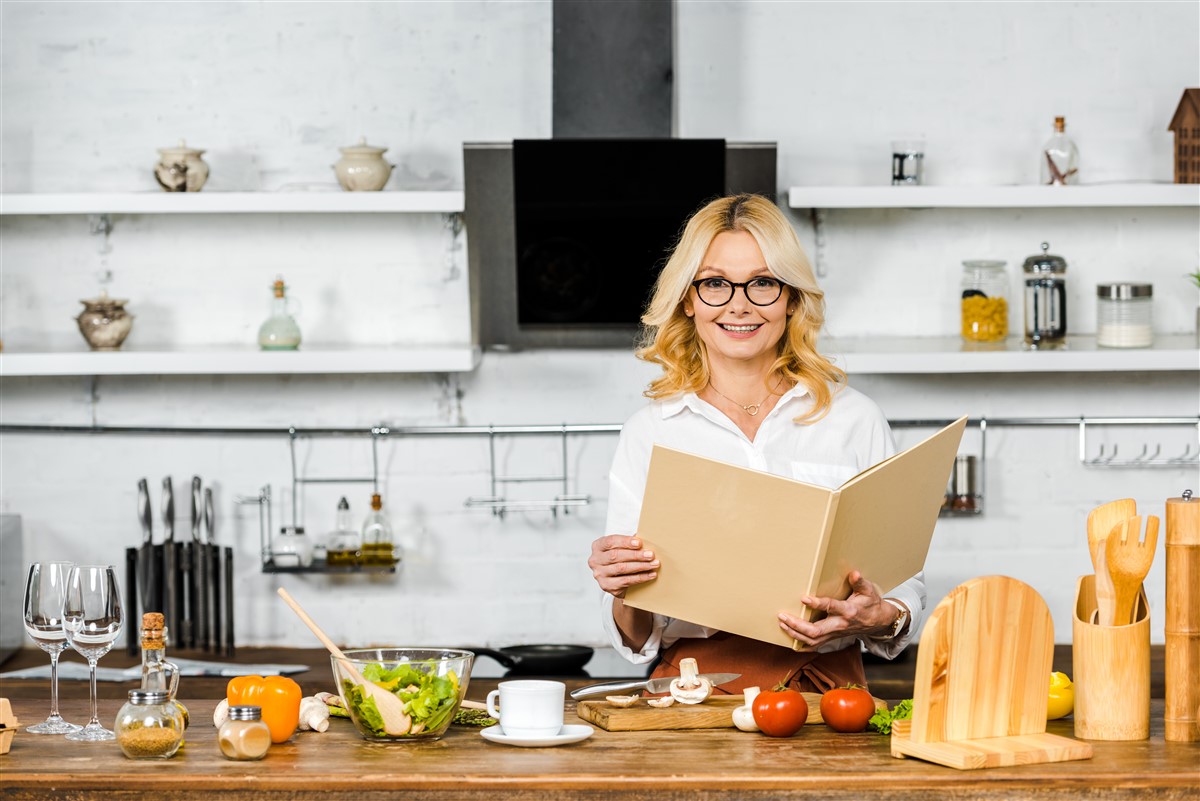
1060,157
280,331
378,547
157,672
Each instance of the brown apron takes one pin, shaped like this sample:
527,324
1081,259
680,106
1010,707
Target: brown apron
765,665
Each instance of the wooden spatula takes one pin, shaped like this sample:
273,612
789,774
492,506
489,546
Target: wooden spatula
1129,560
1100,522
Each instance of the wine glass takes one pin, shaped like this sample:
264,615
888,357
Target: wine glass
92,621
45,593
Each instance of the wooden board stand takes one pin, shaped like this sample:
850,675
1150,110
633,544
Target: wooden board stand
983,676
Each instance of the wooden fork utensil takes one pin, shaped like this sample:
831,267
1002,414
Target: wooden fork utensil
1129,556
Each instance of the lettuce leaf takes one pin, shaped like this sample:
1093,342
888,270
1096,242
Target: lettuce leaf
428,699
882,720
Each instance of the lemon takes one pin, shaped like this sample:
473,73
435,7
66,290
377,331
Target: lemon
1062,696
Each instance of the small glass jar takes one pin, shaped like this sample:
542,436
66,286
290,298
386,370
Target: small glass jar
243,736
984,301
1123,315
291,548
1045,301
149,725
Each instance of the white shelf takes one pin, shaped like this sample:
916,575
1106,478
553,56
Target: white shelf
994,197
235,360
925,355
232,203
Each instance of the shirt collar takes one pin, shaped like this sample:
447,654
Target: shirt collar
689,400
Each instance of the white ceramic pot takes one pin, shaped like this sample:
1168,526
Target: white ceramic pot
180,169
362,168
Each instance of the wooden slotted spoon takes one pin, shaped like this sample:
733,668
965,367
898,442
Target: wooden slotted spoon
395,721
1100,523
1129,560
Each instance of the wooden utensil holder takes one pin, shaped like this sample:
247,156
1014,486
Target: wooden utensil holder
1111,667
1181,717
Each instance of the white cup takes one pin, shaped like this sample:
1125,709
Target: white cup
529,707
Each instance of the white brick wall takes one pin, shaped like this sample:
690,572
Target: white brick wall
272,90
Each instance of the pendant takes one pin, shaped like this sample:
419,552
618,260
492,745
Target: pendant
752,409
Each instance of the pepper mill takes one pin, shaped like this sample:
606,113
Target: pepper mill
1182,716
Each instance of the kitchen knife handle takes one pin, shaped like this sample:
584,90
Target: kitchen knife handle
197,500
144,509
168,510
607,688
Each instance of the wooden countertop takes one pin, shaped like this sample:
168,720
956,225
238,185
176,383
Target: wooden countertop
704,764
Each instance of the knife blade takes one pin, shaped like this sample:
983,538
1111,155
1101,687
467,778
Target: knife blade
145,559
170,610
199,622
652,685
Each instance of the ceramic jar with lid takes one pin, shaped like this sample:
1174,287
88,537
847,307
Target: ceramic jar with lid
362,168
1045,300
984,301
180,169
104,322
1123,315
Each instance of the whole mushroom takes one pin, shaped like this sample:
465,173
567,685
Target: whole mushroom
690,687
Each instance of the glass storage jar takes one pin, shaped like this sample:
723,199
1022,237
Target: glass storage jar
243,736
149,725
984,301
1045,300
1123,315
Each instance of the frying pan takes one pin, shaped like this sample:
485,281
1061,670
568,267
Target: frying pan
546,660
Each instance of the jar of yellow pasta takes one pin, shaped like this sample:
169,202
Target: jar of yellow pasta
984,301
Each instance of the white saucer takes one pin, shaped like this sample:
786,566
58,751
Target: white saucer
570,734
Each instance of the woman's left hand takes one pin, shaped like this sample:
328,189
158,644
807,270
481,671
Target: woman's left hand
863,614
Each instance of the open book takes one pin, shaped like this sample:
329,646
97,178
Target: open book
738,546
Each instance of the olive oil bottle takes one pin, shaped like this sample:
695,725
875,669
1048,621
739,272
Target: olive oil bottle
378,547
345,547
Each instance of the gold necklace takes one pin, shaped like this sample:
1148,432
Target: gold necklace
749,408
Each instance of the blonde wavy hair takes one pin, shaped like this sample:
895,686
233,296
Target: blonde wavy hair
669,338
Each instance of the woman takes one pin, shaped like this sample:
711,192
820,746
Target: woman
733,323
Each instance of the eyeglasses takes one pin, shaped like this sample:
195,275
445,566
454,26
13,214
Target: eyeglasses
761,291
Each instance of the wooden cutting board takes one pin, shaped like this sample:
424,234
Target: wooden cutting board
715,713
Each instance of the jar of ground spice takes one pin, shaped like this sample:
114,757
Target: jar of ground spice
244,735
149,726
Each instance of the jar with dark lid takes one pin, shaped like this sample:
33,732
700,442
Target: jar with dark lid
984,301
1123,317
1045,300
149,725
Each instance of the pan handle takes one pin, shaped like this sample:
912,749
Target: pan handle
507,660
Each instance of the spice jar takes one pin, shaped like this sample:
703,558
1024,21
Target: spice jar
1123,315
984,301
149,725
1045,301
244,736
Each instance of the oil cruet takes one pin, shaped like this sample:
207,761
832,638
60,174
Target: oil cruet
280,331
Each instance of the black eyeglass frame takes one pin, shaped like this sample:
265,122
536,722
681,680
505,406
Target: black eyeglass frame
733,288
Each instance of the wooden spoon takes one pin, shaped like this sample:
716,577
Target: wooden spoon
395,721
1128,563
1100,522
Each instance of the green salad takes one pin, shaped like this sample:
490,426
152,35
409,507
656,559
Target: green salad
428,699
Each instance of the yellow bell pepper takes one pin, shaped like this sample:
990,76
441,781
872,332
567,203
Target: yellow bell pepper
278,696
1062,697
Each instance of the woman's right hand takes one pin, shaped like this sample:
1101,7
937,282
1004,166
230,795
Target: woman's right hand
618,562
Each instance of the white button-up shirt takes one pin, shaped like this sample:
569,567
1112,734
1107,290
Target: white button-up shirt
853,436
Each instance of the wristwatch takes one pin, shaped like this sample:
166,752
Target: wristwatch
901,619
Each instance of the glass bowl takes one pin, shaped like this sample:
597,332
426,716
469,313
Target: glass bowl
430,681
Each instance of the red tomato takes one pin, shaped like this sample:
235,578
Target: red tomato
780,713
847,709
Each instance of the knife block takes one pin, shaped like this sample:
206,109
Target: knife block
983,674
1111,666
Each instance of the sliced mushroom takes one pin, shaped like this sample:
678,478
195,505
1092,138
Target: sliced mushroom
690,687
661,703
622,700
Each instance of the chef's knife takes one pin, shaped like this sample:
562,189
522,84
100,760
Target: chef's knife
170,609
145,563
212,558
199,606
652,685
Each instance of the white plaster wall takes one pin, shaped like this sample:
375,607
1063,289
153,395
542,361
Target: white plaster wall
90,90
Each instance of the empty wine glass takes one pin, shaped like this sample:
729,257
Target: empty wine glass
45,593
92,620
